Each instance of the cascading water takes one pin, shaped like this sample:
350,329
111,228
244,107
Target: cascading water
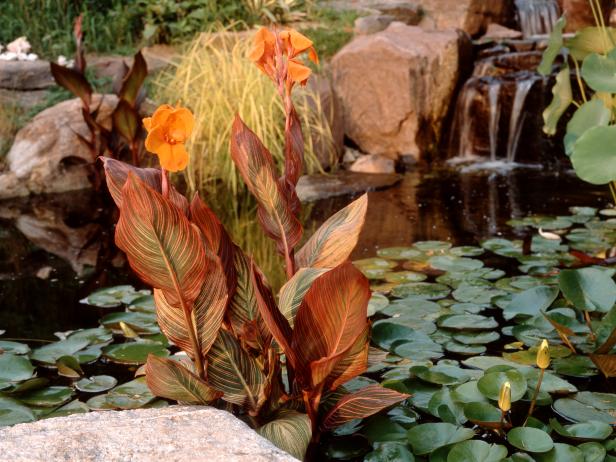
537,17
516,120
493,94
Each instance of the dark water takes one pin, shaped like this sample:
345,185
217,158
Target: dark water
48,245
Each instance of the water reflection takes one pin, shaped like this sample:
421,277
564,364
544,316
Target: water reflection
48,246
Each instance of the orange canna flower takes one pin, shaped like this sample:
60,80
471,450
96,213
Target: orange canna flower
168,129
292,44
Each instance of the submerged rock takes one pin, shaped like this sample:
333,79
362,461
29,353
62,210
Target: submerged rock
373,163
174,433
47,155
396,87
315,187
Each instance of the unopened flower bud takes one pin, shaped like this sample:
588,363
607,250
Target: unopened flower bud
504,397
543,355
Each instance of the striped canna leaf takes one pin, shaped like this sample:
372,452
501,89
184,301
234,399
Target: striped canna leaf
290,431
361,404
335,239
256,166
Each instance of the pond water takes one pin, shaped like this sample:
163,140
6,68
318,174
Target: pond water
40,290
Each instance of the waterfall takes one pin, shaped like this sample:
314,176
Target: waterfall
493,95
537,17
516,120
463,120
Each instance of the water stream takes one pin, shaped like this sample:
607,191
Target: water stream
537,17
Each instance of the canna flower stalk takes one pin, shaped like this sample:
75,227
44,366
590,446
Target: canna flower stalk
504,401
543,362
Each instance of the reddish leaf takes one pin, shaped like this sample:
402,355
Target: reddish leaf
352,364
126,120
161,245
116,173
293,150
169,379
273,318
216,237
332,315
363,403
607,346
256,166
73,81
134,79
605,363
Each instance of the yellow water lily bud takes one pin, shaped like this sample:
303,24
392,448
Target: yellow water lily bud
504,397
543,355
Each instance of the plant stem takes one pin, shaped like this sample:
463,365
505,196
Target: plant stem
188,316
593,337
164,182
534,400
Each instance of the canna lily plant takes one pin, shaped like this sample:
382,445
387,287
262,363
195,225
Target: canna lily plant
281,363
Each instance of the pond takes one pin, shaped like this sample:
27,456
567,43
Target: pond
445,298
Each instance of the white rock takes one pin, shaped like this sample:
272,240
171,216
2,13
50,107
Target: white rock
373,163
19,45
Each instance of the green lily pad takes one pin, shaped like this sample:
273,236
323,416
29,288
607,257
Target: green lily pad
400,277
432,247
390,452
133,352
476,338
561,453
48,397
587,406
73,407
476,451
15,348
503,247
380,429
13,412
144,304
398,253
131,395
112,297
49,354
593,452
483,414
443,406
441,374
584,431
588,289
15,368
141,323
428,437
551,383
426,290
378,302
467,322
96,335
453,264
464,349
491,382
374,263
469,393
531,302
466,251
530,439
575,366
96,384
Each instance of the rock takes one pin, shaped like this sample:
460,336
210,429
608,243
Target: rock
170,434
406,12
472,16
579,13
47,155
25,75
366,25
330,106
497,32
315,187
373,163
157,57
23,99
396,87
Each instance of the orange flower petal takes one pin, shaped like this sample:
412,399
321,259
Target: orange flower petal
298,72
178,159
184,117
165,156
156,139
161,114
299,42
147,123
312,55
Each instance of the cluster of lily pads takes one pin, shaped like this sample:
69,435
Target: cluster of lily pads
449,328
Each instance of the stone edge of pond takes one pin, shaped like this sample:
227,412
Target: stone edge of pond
322,186
173,433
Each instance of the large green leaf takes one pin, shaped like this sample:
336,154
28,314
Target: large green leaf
161,245
531,302
593,158
13,412
291,431
428,437
591,40
235,373
561,99
530,439
476,451
15,368
334,241
171,380
588,289
555,43
591,114
363,403
598,72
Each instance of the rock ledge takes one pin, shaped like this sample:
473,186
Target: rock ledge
174,433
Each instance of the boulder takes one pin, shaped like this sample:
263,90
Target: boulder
47,155
403,11
373,163
472,16
25,75
497,32
396,87
366,25
579,13
316,187
170,434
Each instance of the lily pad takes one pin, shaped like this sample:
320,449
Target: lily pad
531,302
561,453
476,451
587,406
491,383
133,352
131,395
48,397
398,253
390,452
426,290
530,439
584,431
428,437
467,322
96,384
15,368
453,264
588,289
50,353
476,338
15,348
13,412
483,414
112,297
